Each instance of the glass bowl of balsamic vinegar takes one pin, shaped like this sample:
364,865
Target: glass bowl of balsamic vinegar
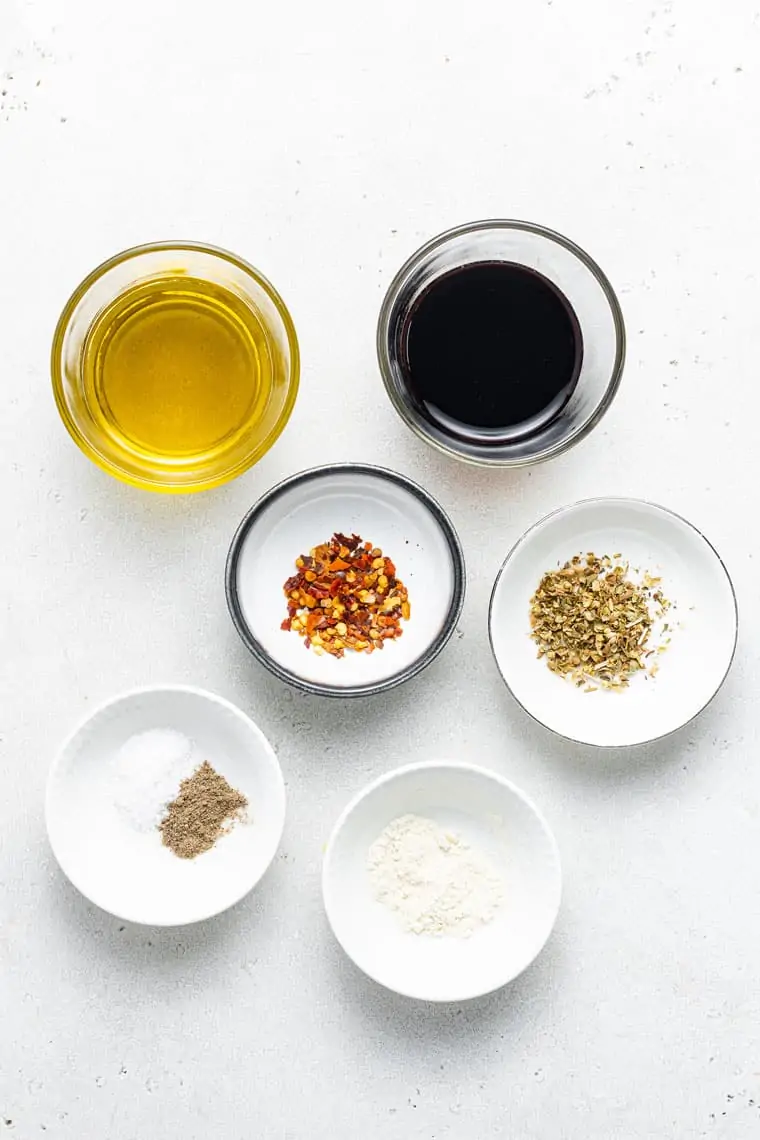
501,343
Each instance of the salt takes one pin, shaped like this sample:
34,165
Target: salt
147,772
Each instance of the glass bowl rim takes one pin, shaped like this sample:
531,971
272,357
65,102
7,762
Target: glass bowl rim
534,228
64,320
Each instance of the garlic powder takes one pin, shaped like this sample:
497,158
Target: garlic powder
433,879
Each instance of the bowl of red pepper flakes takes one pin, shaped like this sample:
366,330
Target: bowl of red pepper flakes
345,595
345,580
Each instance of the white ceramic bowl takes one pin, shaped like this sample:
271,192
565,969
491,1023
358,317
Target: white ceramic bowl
385,508
703,622
130,873
493,816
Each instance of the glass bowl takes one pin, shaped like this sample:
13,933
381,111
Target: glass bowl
249,305
589,296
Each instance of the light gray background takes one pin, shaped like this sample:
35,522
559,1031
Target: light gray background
324,142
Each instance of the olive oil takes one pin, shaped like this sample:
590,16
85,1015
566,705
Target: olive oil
177,367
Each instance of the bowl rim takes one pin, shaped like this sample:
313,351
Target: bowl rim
130,694
96,456
314,474
434,243
566,509
439,765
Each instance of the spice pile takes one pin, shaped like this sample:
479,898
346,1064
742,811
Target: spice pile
161,785
594,625
433,879
204,810
147,771
345,595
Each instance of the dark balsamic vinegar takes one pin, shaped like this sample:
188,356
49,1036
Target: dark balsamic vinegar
491,351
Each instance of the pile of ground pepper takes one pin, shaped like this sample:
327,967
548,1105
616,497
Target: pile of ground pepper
345,595
205,808
592,623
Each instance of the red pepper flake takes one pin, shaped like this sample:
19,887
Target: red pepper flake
345,595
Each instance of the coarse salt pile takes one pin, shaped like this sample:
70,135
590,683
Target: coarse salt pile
147,772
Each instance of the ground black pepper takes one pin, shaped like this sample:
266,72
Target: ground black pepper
205,808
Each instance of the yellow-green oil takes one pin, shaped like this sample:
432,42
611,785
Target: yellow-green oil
176,367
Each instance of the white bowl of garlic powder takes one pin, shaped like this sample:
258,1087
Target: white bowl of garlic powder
442,881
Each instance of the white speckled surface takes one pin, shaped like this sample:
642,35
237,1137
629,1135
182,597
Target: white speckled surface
325,143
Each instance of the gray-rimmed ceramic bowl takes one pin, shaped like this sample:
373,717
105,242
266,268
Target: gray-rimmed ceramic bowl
693,643
587,293
386,509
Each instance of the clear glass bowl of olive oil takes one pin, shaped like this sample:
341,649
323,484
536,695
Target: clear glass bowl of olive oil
175,366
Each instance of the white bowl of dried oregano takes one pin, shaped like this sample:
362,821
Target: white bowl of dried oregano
613,622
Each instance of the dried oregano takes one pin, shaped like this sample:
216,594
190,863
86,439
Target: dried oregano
592,623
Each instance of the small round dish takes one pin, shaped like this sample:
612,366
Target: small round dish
251,416
568,270
489,813
702,622
129,872
384,508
